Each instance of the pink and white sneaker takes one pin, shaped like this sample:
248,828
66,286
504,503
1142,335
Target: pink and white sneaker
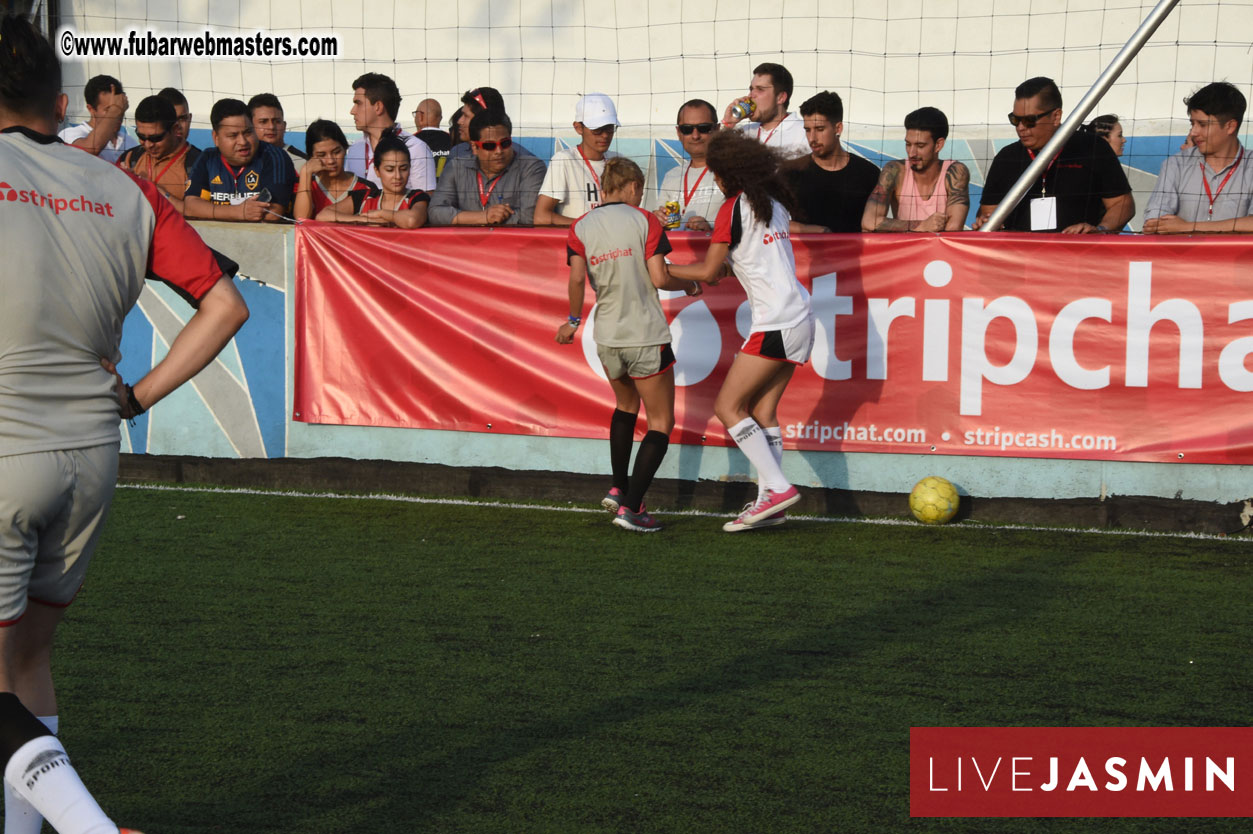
735,525
769,504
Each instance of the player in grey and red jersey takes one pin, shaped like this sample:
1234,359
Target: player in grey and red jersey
621,249
79,237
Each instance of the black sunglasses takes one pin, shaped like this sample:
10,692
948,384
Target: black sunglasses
505,144
703,127
1029,121
151,137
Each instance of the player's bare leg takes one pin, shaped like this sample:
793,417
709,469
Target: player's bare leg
755,385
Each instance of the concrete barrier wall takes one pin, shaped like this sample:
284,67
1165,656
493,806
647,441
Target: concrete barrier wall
240,408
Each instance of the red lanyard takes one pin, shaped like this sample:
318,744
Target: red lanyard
766,141
1223,184
183,152
688,195
595,178
1044,178
234,176
483,198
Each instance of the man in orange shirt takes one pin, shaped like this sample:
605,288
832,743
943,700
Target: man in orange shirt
162,157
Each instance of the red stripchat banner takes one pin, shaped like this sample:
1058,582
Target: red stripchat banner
1111,348
1081,771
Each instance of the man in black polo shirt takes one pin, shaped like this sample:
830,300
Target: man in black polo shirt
1083,190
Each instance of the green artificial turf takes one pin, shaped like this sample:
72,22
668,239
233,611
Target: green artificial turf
292,664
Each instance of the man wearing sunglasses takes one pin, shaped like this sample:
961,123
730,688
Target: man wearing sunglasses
494,187
690,185
1082,191
572,186
162,157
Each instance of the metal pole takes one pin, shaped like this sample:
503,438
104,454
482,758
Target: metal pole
1076,117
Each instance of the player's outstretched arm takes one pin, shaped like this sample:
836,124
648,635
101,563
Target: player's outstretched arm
663,280
221,313
709,271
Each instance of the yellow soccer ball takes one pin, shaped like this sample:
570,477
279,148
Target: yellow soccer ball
934,500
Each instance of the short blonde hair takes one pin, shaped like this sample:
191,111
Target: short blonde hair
619,173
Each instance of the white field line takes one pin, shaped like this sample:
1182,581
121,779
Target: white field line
511,505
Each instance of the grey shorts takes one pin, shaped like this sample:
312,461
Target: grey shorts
635,362
52,509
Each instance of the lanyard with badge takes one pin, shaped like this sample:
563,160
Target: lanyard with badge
1044,207
1222,185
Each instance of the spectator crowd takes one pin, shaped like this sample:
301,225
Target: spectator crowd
475,173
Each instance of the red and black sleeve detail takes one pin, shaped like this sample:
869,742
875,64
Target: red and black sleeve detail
727,225
177,256
574,244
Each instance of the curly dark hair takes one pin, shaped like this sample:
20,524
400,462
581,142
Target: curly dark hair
746,165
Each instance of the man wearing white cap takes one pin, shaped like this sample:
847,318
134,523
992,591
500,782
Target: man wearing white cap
572,185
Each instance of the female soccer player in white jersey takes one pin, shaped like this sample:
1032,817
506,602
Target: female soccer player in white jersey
621,249
751,233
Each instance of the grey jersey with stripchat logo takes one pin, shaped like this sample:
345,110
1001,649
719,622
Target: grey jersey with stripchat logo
617,240
79,237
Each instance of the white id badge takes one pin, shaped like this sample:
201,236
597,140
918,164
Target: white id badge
1044,214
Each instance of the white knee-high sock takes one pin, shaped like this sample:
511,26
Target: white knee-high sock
20,817
774,436
753,443
40,772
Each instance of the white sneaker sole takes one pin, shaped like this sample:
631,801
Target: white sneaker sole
776,508
626,525
736,526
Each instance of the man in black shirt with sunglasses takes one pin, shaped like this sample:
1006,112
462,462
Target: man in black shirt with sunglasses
494,187
697,194
1083,190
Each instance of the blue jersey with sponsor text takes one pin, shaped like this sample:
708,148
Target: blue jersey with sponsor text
216,181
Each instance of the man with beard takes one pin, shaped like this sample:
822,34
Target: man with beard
831,185
924,193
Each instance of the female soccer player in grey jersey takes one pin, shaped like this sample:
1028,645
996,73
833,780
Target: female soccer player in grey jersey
621,249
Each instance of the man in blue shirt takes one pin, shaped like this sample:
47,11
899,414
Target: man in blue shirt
231,180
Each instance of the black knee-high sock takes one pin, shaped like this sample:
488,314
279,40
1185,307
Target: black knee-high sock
621,438
647,459
17,726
